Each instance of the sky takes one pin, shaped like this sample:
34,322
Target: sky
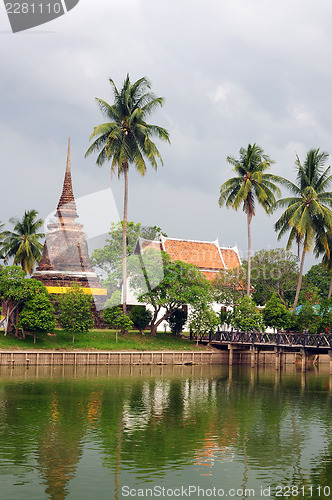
232,72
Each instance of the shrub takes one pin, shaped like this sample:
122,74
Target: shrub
37,314
177,320
276,315
246,317
75,311
140,316
115,318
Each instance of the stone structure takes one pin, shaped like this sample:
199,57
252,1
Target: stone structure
65,258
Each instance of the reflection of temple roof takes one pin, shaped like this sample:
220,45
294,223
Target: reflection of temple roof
209,256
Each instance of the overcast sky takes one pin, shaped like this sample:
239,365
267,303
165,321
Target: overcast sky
232,72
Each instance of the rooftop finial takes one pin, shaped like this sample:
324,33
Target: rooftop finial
68,157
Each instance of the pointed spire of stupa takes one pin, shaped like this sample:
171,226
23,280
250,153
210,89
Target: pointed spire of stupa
67,206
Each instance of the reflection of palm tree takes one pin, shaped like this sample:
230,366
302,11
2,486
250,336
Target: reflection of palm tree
23,244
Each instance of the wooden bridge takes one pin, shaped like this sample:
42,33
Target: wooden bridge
287,340
279,343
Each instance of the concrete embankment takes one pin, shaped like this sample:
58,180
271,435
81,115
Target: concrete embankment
56,358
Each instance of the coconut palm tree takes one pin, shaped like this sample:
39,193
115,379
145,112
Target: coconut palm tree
308,216
1,240
126,139
23,243
251,184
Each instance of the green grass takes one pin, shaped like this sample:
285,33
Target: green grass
99,340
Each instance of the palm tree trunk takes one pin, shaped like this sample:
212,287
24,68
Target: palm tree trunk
249,254
124,241
330,290
300,279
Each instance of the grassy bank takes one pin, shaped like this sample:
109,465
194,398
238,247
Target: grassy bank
100,340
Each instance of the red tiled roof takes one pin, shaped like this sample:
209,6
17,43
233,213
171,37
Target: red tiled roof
231,257
203,254
206,255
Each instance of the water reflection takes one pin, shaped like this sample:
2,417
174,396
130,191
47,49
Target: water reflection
67,432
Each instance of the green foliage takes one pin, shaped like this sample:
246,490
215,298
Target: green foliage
203,319
320,278
140,316
276,315
225,317
177,320
273,271
115,318
15,289
182,284
306,320
325,316
108,260
37,314
75,311
228,287
252,184
308,215
246,317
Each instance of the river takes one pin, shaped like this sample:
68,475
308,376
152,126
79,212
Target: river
165,432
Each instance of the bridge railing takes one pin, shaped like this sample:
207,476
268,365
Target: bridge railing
277,339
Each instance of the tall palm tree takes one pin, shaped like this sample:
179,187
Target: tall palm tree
23,243
1,240
323,247
307,214
126,139
251,184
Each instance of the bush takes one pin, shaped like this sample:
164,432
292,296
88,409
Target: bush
37,314
246,317
115,318
140,316
75,311
276,314
177,321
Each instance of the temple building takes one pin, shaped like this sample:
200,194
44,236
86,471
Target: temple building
65,260
209,256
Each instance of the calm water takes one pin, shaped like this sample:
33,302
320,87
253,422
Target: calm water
164,432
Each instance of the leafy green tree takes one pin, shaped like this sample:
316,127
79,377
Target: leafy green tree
75,311
229,286
182,284
15,289
177,320
320,278
251,184
275,314
23,243
116,318
108,260
203,319
273,271
324,247
127,139
246,317
140,316
306,320
308,214
37,315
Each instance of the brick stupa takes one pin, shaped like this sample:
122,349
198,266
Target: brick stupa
65,258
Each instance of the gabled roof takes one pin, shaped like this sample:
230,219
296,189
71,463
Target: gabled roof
207,255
